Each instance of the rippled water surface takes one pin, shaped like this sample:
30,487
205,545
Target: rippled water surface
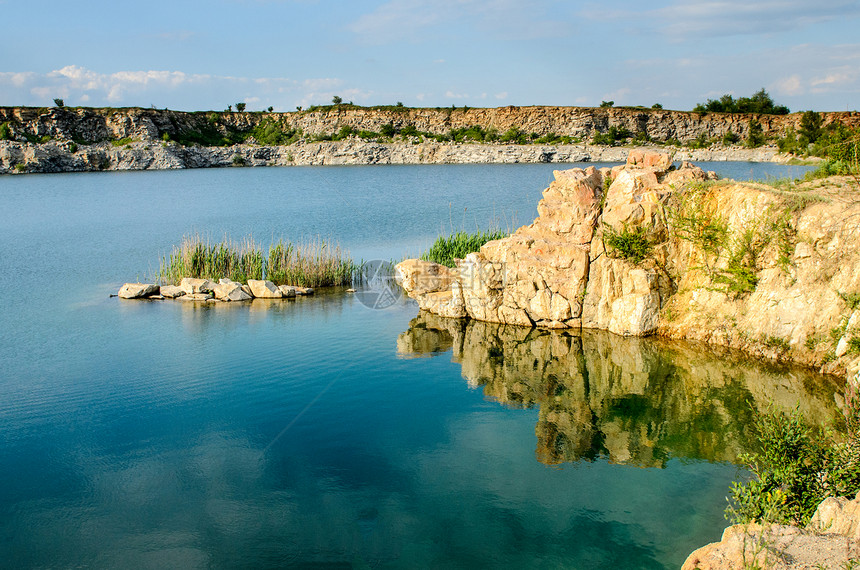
319,432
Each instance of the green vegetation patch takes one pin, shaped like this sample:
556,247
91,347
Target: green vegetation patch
761,102
632,245
447,249
198,257
314,263
795,467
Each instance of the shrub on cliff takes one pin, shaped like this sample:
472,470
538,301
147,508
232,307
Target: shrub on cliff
632,245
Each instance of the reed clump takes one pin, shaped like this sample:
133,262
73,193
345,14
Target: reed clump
315,263
447,249
197,257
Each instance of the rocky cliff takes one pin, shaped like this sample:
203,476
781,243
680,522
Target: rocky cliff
56,156
88,125
84,139
645,248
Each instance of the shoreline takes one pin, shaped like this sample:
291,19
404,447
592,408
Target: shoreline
60,157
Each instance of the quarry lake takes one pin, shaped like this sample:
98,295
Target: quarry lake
319,432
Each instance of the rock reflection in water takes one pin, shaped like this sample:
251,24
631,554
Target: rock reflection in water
635,401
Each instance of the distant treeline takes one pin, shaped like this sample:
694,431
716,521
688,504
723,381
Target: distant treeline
761,102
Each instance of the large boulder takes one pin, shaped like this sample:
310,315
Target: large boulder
230,291
171,291
137,290
193,285
264,289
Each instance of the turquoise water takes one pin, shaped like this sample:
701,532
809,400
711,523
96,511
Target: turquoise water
319,432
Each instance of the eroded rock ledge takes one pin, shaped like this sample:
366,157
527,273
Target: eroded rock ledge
774,273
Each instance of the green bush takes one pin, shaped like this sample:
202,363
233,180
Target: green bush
345,132
388,130
630,245
730,138
756,136
446,249
796,467
612,137
5,132
761,102
273,133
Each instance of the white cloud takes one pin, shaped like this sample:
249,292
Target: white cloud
451,95
502,95
79,85
790,86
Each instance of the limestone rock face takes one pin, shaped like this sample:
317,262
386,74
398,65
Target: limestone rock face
648,247
137,290
555,273
264,289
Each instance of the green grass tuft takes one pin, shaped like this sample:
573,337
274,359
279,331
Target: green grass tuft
446,249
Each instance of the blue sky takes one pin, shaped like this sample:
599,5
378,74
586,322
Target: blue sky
200,55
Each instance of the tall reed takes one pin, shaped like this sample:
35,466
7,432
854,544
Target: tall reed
456,246
197,257
315,263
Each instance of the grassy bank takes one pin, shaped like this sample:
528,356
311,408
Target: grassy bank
313,263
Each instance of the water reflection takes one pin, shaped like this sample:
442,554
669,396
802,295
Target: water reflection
635,401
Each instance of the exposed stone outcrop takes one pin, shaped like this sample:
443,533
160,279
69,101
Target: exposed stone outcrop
646,248
57,156
830,541
82,139
89,125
